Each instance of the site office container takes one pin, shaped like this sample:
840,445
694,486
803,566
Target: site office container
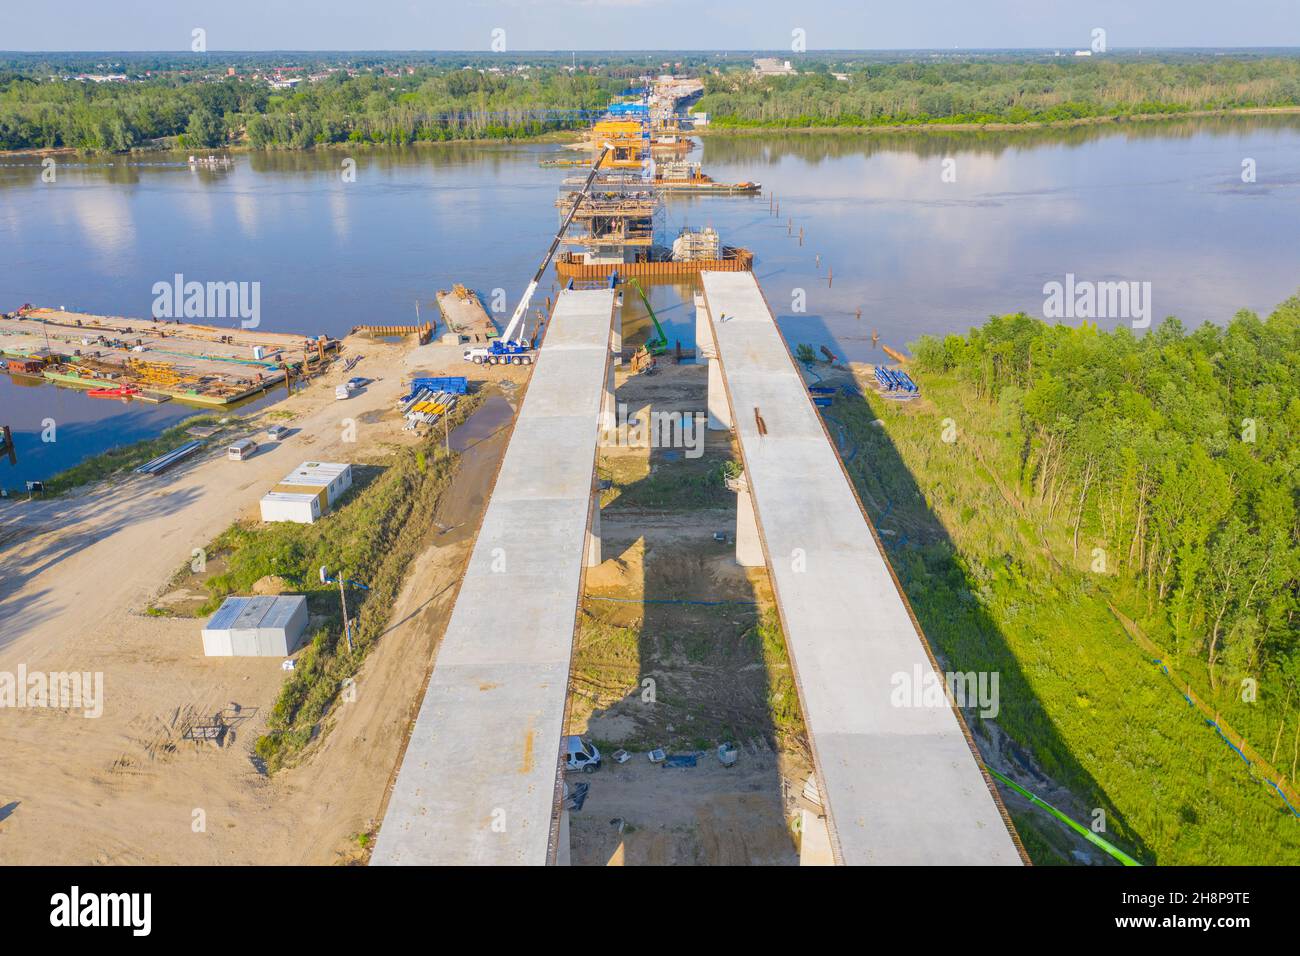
288,506
335,477
256,627
323,482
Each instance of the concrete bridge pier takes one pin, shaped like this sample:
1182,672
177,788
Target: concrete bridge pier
749,545
608,404
616,336
591,556
706,349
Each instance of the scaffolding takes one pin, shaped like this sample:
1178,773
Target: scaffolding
693,245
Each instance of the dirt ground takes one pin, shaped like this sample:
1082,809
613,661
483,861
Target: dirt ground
681,676
643,814
78,572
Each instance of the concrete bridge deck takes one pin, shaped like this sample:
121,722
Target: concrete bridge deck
900,784
479,781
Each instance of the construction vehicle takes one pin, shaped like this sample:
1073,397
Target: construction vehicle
659,344
511,348
644,358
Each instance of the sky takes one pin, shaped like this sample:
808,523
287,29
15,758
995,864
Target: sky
461,25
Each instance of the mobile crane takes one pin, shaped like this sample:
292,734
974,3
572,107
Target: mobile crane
511,348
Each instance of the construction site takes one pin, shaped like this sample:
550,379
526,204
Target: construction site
620,226
619,480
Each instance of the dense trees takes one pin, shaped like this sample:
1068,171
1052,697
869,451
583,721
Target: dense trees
408,99
422,104
1172,459
998,91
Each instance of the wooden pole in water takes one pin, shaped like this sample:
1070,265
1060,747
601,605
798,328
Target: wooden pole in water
789,226
801,236
830,276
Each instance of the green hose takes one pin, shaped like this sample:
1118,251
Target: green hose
1083,831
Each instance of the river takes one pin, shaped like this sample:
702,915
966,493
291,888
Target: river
922,232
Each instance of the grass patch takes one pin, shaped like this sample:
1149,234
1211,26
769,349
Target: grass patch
680,485
114,461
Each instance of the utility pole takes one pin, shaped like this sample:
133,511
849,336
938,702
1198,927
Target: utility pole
347,628
343,600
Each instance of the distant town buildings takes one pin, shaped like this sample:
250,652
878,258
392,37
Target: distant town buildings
771,66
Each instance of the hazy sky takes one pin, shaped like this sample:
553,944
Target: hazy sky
641,24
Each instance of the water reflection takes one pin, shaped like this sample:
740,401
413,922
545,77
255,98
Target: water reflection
885,237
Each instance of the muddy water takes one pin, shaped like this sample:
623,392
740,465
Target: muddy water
493,415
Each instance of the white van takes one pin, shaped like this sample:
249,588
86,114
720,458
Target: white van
342,392
241,450
579,755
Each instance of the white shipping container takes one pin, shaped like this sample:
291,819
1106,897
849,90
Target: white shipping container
256,627
289,506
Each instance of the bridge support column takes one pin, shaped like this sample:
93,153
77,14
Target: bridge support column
814,840
749,547
591,556
706,350
562,855
814,833
616,337
608,406
719,409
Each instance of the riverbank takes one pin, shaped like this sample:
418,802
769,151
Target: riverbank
170,145
742,128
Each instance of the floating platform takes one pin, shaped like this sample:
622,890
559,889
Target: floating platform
464,314
423,333
705,186
196,364
733,260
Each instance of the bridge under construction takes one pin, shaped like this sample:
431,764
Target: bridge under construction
900,784
479,783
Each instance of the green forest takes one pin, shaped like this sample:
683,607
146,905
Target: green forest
1110,523
423,105
1173,461
997,91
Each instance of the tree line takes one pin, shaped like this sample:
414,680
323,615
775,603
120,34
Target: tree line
995,91
1170,459
420,105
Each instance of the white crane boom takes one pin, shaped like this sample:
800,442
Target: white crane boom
516,320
